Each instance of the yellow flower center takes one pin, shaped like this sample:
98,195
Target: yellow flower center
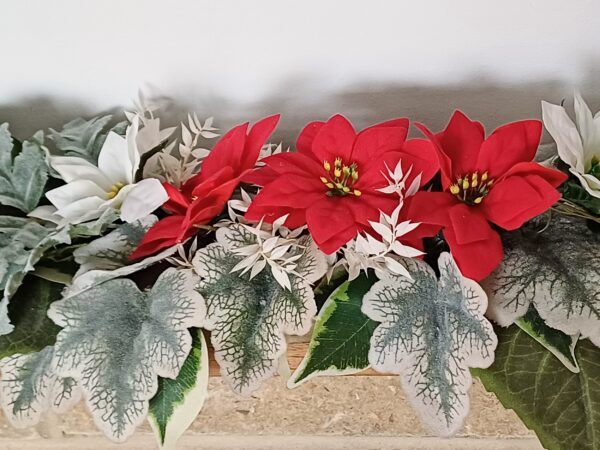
114,190
340,178
472,188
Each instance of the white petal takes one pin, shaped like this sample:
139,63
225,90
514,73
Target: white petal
397,268
82,210
414,186
257,268
278,252
405,227
405,250
114,160
45,212
564,132
590,134
144,197
281,277
64,195
71,168
383,231
589,182
132,150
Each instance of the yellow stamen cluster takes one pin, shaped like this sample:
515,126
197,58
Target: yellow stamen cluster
472,188
114,190
340,180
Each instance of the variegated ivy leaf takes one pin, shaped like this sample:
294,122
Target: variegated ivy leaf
84,138
22,243
22,178
178,402
557,270
112,251
117,339
250,317
432,331
29,387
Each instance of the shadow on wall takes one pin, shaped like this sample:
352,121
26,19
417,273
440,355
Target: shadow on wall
490,102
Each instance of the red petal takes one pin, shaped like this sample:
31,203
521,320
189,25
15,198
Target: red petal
401,122
210,204
296,217
478,259
552,176
218,178
257,137
444,162
508,145
177,203
291,191
334,139
372,143
516,199
469,223
328,222
421,155
307,136
367,207
260,177
295,163
227,152
461,142
430,207
161,235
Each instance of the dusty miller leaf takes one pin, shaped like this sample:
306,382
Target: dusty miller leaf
557,270
562,407
116,340
112,251
431,333
29,387
341,336
250,317
22,178
23,242
178,401
84,138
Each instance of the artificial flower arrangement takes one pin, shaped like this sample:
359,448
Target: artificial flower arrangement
124,247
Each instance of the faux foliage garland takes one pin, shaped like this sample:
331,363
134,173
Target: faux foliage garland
120,245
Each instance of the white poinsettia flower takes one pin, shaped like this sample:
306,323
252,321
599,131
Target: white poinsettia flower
90,190
578,143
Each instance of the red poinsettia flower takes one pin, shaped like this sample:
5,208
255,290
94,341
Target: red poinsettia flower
485,180
332,183
204,196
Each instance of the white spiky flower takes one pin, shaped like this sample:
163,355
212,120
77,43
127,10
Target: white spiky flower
397,180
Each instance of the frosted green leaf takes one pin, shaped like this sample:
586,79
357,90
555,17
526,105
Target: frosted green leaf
22,178
562,407
557,271
341,336
29,387
178,401
116,340
95,227
23,242
432,331
84,138
250,317
558,343
112,251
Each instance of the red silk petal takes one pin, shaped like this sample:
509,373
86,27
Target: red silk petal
334,139
307,136
161,235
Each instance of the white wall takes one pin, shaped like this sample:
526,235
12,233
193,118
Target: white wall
306,58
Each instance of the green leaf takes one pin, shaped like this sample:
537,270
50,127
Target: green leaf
116,340
95,227
577,194
29,387
562,407
33,330
178,402
432,331
557,270
23,178
84,138
341,336
558,343
249,318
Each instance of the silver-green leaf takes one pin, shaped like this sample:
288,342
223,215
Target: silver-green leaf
557,271
29,387
249,318
22,178
432,331
112,251
116,340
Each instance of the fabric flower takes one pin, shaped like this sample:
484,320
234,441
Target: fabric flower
334,182
578,145
204,196
90,190
485,180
